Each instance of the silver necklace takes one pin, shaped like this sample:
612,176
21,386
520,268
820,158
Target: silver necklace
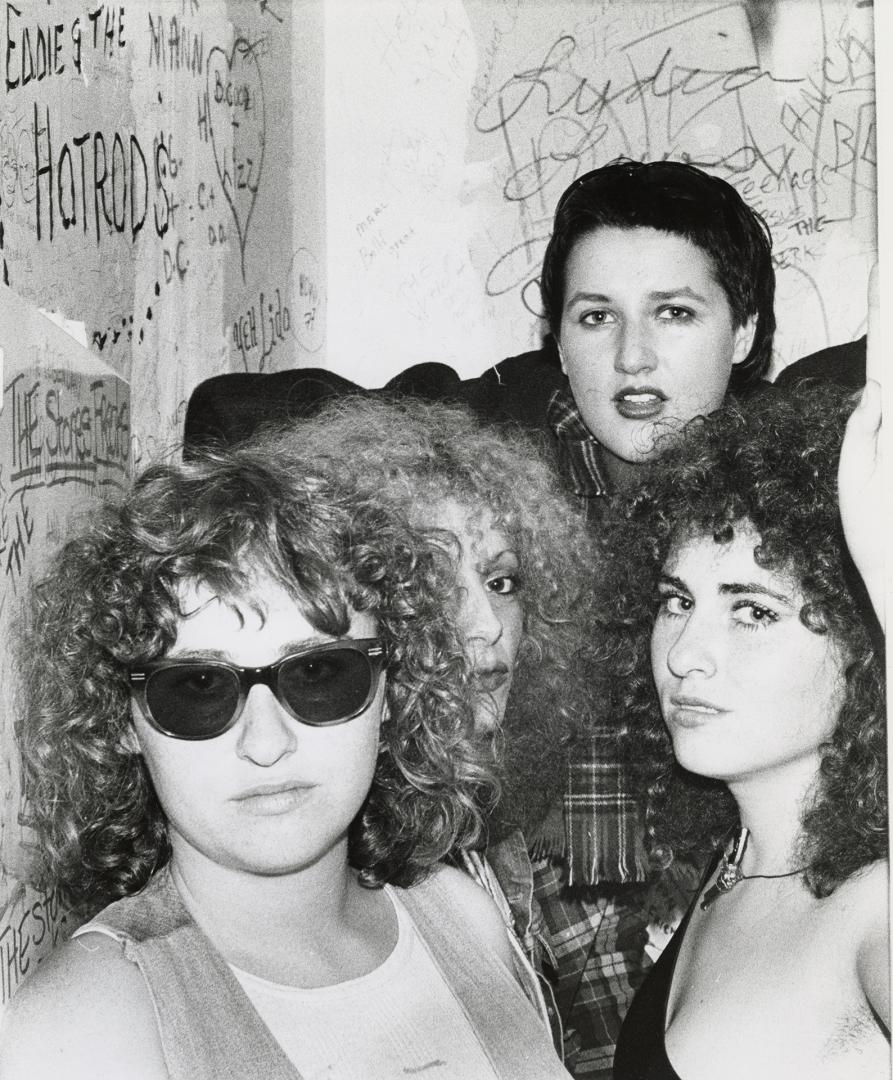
730,870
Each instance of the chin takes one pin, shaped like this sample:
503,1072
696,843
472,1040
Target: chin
692,753
489,712
638,448
487,720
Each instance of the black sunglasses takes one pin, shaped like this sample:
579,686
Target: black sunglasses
320,685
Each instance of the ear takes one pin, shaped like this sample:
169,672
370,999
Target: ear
744,336
561,356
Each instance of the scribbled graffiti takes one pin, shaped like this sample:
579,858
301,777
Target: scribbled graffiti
235,120
30,923
59,432
651,96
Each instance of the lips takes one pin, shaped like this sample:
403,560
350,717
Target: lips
689,711
489,680
272,799
640,402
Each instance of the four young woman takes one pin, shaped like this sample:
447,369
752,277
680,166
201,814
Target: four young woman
301,665
275,691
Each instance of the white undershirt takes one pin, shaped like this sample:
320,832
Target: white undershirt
400,1020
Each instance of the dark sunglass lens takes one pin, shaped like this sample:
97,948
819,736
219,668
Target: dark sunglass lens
323,687
193,701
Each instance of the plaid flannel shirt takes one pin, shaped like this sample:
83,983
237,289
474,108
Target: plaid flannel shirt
603,825
578,451
592,900
587,946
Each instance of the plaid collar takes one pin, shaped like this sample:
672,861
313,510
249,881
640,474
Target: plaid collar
603,827
603,822
578,448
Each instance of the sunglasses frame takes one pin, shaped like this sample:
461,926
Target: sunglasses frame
373,649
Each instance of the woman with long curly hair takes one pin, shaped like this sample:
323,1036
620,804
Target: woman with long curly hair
248,745
748,667
459,481
523,559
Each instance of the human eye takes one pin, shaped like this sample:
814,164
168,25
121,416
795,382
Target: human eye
752,616
503,584
195,680
675,313
596,317
313,669
674,603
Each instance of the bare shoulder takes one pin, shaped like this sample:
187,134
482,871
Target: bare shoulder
85,1012
865,901
476,907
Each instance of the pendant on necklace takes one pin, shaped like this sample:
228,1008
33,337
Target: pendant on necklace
726,880
730,871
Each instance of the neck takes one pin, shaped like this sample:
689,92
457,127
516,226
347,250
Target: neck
249,914
772,809
619,471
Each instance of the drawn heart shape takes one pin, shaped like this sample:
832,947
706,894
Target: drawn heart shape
237,119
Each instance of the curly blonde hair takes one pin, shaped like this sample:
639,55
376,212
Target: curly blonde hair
411,456
110,602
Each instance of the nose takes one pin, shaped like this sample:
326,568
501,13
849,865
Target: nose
635,350
693,650
266,732
479,622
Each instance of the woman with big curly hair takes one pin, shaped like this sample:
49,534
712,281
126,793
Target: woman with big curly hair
523,559
249,742
748,666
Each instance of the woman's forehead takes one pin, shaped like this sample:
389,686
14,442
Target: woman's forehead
266,613
254,596
474,525
699,554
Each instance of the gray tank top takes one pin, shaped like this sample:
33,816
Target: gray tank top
210,1031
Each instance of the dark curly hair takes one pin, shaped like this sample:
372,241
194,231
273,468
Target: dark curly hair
411,456
673,197
110,602
770,462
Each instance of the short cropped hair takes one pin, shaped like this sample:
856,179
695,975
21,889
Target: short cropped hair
410,456
673,197
770,463
110,602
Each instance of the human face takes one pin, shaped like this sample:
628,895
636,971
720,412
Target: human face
647,337
490,614
746,690
270,795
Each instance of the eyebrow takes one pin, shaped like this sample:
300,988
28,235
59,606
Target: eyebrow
736,588
731,588
683,292
510,553
488,560
288,649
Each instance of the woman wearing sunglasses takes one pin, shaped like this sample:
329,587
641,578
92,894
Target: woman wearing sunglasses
248,746
752,685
